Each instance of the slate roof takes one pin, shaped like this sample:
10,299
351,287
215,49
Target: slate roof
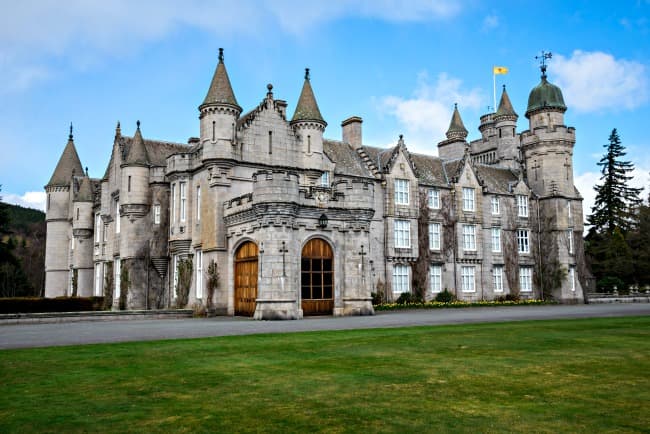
68,165
85,192
346,159
307,108
497,180
429,169
456,127
137,151
379,157
157,151
505,106
220,91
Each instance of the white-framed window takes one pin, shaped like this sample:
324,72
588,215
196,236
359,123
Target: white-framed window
117,265
497,278
495,206
468,199
434,236
402,234
156,214
105,233
325,179
568,209
401,192
198,203
523,243
433,198
173,204
569,236
496,240
525,279
401,279
435,278
469,237
98,227
572,278
98,279
467,276
522,205
72,243
117,216
175,275
182,189
198,256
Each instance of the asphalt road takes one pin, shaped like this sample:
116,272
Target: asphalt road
81,333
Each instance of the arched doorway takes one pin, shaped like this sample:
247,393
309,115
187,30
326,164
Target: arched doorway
317,278
246,279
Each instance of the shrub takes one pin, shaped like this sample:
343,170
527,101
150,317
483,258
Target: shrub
44,305
184,270
609,283
124,287
213,283
445,296
404,298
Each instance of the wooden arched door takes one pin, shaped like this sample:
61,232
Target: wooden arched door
317,278
246,279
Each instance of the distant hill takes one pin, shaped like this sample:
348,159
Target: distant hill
20,218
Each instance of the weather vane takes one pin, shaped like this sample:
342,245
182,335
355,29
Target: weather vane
542,61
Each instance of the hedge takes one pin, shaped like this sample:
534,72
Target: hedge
58,304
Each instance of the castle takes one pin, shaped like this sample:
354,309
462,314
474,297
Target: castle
296,224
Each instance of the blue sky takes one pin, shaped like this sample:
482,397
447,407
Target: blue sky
399,65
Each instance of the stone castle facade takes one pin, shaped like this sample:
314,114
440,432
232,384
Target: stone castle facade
298,224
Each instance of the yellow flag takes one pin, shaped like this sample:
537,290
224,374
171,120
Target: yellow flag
499,70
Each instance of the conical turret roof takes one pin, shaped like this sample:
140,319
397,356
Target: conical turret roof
220,91
85,193
307,108
68,165
456,129
505,106
137,153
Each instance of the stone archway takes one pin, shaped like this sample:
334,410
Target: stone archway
317,278
246,279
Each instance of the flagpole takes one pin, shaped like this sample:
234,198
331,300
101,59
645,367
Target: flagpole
494,90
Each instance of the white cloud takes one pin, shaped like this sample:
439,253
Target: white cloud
33,32
31,199
596,81
425,117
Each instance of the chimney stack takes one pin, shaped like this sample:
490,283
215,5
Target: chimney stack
352,131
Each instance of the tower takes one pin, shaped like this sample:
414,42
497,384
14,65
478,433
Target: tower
505,124
309,125
454,146
58,219
218,115
82,235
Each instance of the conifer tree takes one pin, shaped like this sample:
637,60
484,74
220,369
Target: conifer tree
616,201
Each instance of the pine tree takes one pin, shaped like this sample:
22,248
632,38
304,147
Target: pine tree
616,201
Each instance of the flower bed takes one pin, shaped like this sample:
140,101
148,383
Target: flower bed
459,304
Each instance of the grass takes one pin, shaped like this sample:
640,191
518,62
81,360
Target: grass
546,376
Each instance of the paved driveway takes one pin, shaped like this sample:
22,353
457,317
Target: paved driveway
74,333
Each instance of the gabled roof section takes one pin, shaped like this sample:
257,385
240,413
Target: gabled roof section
456,129
68,165
430,170
220,91
307,108
346,159
137,154
495,179
505,106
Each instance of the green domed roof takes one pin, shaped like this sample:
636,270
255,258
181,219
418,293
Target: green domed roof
545,95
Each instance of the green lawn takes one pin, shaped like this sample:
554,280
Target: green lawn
545,376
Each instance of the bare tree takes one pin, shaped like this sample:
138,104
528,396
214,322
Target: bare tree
511,250
421,265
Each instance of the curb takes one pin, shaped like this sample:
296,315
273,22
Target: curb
60,317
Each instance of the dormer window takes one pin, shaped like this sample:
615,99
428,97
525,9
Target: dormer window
433,196
401,192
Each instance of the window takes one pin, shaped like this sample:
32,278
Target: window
198,203
525,279
522,205
182,186
467,279
522,241
156,214
199,273
569,236
105,232
308,144
568,209
128,188
98,280
325,179
434,236
401,192
496,240
435,278
401,279
433,196
117,217
270,142
572,278
47,208
468,199
494,202
175,275
98,228
497,278
173,205
469,237
77,213
116,278
72,243
402,234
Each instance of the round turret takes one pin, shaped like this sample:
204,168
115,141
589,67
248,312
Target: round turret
545,96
